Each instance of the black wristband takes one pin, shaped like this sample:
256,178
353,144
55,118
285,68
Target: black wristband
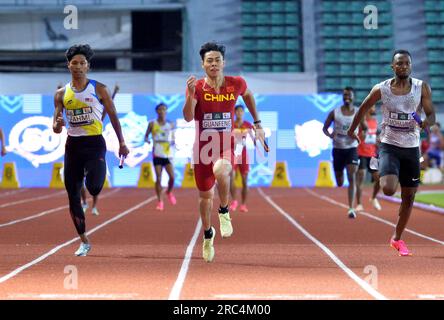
258,121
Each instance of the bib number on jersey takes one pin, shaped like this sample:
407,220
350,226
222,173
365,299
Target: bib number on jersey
220,121
80,117
401,121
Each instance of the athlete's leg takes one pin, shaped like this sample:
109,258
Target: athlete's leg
376,185
205,207
95,175
389,184
407,200
170,171
158,186
359,183
73,178
232,185
339,175
83,195
244,188
351,176
222,171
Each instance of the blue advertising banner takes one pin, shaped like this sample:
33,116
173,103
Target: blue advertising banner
293,125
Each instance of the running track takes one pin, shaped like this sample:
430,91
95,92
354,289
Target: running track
293,244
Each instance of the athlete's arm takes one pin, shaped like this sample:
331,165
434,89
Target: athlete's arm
327,124
173,134
190,101
2,141
427,105
250,102
58,122
373,97
148,131
111,110
116,89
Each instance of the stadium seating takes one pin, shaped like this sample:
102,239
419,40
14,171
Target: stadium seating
272,36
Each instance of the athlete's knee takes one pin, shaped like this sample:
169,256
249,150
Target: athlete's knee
388,190
94,190
222,168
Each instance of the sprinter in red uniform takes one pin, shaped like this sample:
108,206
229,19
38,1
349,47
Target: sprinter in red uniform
210,103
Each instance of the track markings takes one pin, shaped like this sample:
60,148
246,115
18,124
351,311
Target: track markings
178,284
363,284
67,243
43,213
9,204
366,214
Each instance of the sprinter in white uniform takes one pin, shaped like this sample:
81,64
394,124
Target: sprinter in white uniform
345,153
399,155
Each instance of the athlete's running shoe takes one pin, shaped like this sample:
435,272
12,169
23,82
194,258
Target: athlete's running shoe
83,250
376,204
94,211
171,198
160,206
226,229
359,207
208,247
85,207
233,205
401,247
243,208
351,213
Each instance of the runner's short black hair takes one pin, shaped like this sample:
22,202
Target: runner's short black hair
160,105
83,49
239,106
401,51
349,89
211,46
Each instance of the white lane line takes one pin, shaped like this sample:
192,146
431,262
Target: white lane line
178,285
9,193
9,204
363,284
67,243
115,296
277,296
368,215
43,213
438,296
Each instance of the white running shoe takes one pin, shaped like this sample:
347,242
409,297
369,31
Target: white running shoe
208,247
376,204
226,229
359,207
83,250
94,211
85,207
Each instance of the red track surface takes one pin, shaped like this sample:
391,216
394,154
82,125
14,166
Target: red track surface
140,255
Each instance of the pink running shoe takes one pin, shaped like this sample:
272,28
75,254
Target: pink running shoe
160,206
401,247
172,198
243,208
233,206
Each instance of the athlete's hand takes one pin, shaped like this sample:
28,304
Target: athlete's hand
123,150
147,140
60,122
259,134
3,151
353,135
191,85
